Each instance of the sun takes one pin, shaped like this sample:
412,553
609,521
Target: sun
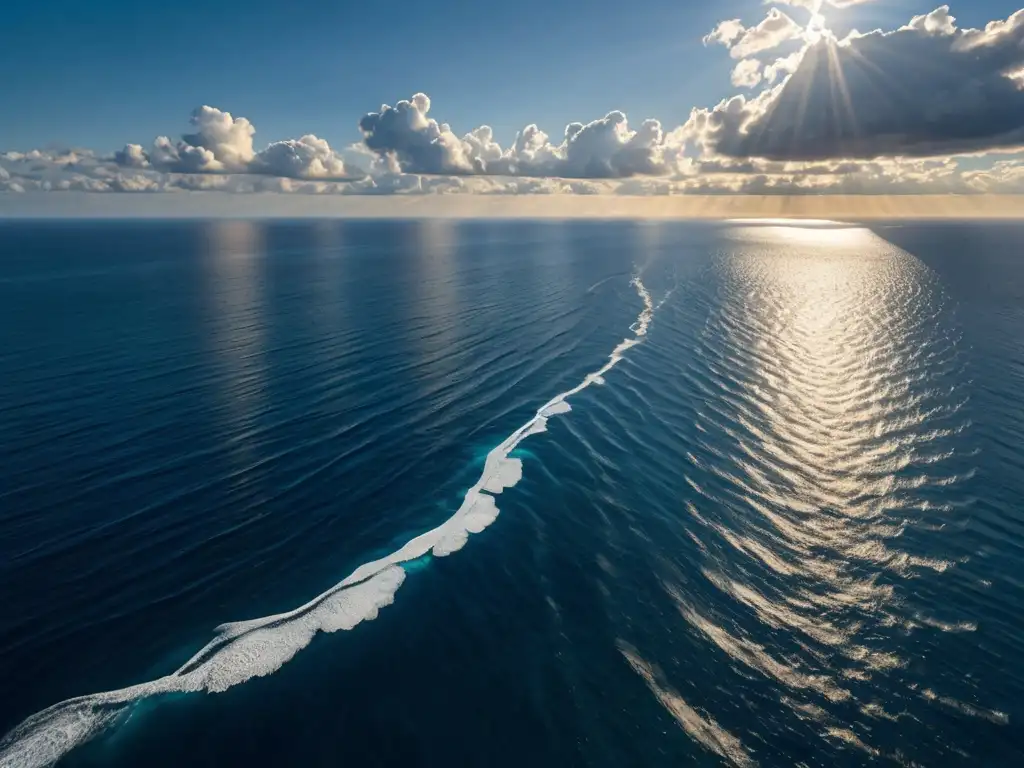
815,29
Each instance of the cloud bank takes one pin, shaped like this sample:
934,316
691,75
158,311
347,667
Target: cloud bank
896,111
924,90
221,143
406,139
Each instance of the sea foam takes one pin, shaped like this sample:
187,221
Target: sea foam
243,650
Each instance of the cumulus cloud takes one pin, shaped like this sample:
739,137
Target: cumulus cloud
221,143
877,112
227,139
406,139
938,22
787,65
926,89
132,156
306,158
726,33
416,141
775,29
747,74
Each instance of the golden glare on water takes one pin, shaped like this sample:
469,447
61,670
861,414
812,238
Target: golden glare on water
823,431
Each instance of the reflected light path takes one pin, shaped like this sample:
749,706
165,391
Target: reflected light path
824,424
232,293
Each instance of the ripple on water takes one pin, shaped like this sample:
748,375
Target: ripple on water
830,447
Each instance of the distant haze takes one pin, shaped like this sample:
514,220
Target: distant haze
213,205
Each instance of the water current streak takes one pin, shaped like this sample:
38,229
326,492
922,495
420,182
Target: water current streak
247,649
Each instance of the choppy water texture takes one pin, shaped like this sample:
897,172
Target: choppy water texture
480,494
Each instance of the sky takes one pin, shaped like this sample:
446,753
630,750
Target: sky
644,97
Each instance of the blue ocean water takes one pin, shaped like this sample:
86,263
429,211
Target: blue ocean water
779,523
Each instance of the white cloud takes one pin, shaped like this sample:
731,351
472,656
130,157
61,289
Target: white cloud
878,112
306,158
416,141
938,22
132,156
999,34
406,139
811,5
787,65
228,139
747,74
725,32
224,144
815,6
775,29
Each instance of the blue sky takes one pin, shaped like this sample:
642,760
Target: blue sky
544,96
110,72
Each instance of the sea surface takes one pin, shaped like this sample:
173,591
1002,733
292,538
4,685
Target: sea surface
426,493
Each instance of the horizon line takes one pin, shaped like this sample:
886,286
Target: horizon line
197,205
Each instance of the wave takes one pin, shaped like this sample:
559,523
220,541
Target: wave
243,650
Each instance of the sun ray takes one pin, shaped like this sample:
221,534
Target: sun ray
837,79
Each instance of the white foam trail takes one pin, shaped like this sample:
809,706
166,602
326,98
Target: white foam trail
247,649
240,652
644,320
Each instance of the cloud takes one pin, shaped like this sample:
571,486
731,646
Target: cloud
704,176
416,141
226,141
787,65
725,32
811,5
222,144
815,6
1005,176
926,89
873,113
775,29
938,22
132,156
304,158
117,183
747,74
406,139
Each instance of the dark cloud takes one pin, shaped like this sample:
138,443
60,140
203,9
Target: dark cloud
926,89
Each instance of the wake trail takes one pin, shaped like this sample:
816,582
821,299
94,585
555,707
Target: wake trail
243,650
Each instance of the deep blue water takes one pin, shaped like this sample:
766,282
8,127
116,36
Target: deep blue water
785,528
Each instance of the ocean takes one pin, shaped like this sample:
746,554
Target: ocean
435,493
